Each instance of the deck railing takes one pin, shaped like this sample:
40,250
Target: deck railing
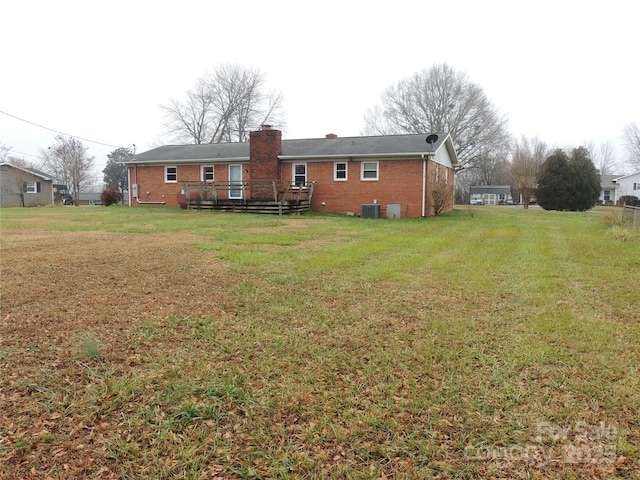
268,196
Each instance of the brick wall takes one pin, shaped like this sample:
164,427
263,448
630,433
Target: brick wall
151,179
400,182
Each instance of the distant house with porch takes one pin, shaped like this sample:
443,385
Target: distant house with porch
608,190
490,195
373,176
27,187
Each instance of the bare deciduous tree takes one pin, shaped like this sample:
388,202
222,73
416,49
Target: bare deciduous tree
631,137
603,157
4,152
491,167
441,99
68,161
526,160
223,107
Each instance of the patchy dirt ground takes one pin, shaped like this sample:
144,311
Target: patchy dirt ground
55,291
89,280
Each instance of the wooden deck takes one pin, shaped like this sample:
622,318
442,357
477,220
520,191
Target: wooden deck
246,197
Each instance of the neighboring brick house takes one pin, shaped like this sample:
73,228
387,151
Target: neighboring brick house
396,173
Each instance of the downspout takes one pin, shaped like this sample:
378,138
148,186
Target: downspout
129,182
424,186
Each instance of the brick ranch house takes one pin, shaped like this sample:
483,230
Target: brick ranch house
396,174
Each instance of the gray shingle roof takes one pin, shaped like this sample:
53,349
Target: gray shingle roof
300,148
490,189
33,171
608,181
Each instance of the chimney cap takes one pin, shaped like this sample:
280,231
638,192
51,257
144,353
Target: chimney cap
265,126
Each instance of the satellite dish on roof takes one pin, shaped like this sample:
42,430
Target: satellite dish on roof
433,138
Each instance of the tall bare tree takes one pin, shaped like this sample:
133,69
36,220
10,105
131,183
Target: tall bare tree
68,161
603,157
527,158
223,107
631,137
442,99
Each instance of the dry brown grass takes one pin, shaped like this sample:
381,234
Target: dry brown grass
252,347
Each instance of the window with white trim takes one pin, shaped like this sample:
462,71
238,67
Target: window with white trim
340,171
31,187
206,173
369,171
299,174
170,174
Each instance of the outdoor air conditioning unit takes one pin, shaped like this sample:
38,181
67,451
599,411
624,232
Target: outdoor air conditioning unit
370,210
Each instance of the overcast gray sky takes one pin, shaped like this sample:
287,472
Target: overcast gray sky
566,71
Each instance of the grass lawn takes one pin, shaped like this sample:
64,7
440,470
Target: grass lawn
502,344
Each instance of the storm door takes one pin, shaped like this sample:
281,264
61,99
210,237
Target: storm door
235,181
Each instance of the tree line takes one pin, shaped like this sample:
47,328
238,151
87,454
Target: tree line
227,103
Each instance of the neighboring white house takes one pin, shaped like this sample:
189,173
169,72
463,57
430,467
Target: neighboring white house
629,185
608,190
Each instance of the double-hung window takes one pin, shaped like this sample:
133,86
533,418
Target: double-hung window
31,187
369,171
299,174
340,171
170,174
207,173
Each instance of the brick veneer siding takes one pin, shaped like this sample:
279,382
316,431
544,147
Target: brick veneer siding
400,182
151,179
